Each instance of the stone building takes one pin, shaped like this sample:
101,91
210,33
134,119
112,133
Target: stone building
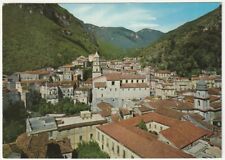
202,103
116,88
78,128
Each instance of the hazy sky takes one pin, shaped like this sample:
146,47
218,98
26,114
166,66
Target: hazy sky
136,16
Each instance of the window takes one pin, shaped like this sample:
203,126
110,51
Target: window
161,128
98,136
149,125
91,136
199,103
107,142
132,81
142,81
113,83
126,81
102,95
132,156
102,138
118,150
102,147
80,138
112,146
50,134
124,154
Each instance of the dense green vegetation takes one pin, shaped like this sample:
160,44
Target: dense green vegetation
39,35
89,150
193,47
87,73
142,125
14,114
118,42
39,107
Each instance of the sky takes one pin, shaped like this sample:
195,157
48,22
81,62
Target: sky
136,16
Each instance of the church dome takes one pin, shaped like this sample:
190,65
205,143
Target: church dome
201,86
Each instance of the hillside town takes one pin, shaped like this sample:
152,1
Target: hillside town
134,111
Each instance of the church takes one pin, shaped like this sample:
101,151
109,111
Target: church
202,103
116,88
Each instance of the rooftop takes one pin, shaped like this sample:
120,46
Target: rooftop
201,86
41,124
120,76
134,85
142,143
76,121
33,146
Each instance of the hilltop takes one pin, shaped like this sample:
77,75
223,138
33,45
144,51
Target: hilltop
39,35
115,42
190,48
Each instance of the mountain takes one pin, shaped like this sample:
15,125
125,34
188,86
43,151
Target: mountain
190,48
118,41
39,35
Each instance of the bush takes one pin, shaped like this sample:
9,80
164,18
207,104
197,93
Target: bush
142,125
90,150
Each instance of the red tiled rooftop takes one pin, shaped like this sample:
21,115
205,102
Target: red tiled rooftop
184,133
216,105
144,146
214,98
169,112
214,91
134,85
120,76
100,84
105,109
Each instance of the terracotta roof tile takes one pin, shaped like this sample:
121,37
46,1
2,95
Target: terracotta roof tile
214,91
214,98
139,143
33,146
105,109
134,85
144,109
184,133
169,112
124,111
116,117
100,84
120,76
216,105
170,103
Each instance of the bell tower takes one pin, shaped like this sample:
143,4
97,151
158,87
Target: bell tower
96,70
202,96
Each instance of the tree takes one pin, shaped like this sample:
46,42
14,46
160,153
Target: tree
53,151
33,99
142,125
87,73
14,114
90,150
